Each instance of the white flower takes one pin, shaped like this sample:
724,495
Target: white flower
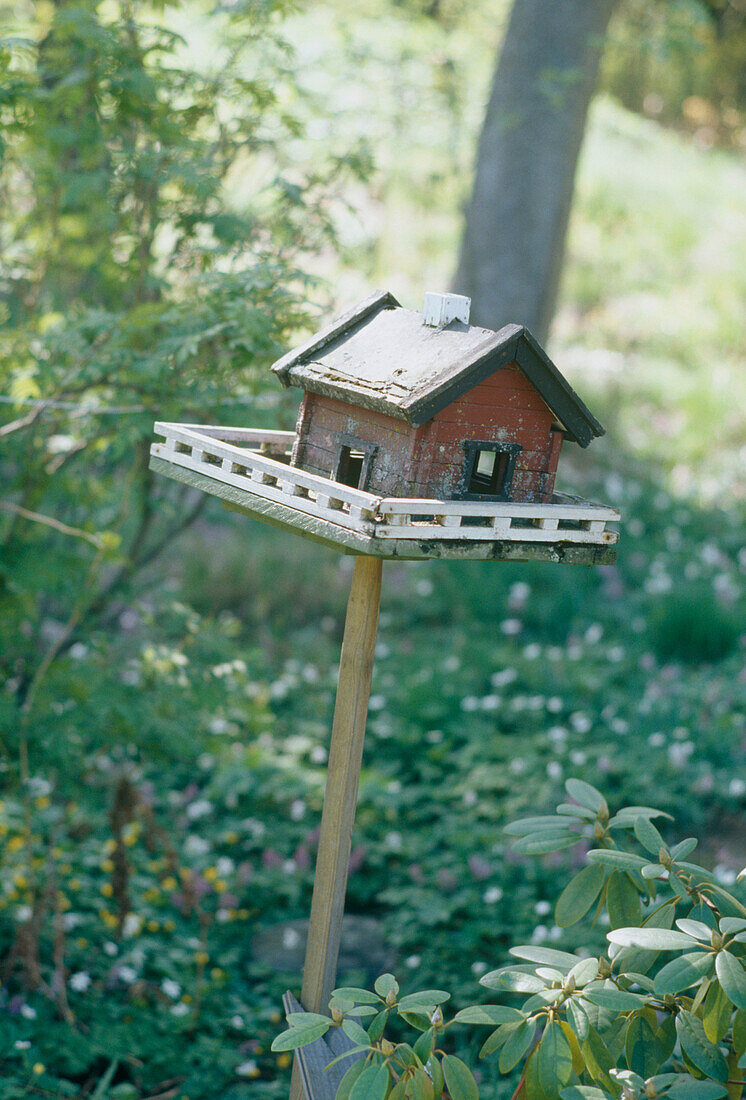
594,633
289,867
554,769
71,920
225,866
179,1009
580,722
171,988
554,704
318,754
127,974
290,939
110,948
218,726
237,1022
511,626
199,808
737,787
470,703
377,702
196,846
540,933
132,925
247,1069
504,677
542,908
470,798
21,1044
393,840
412,961
297,809
492,894
531,652
424,588
28,1012
578,757
478,967
80,981
23,913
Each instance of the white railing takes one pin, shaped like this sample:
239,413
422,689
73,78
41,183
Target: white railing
230,455
199,449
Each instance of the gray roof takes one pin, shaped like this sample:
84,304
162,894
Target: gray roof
381,356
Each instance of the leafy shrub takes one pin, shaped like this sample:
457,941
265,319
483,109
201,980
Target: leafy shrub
693,625
661,1013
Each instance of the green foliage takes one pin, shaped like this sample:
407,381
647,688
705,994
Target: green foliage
591,1026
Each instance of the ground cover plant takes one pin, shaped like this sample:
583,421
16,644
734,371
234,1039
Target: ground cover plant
661,1012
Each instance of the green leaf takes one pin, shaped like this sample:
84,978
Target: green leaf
375,1028
585,794
516,1045
652,870
436,1073
513,979
426,997
358,996
654,939
622,900
732,978
702,1053
716,1013
665,1039
578,1019
642,811
584,971
739,1032
421,1086
459,1079
598,1060
640,1047
616,1000
583,1092
561,959
533,824
539,844
553,1059
372,1084
730,925
684,848
688,1088
300,1036
487,1014
349,1079
579,895
386,984
497,1039
303,1019
354,1031
613,858
423,1048
695,928
682,972
649,837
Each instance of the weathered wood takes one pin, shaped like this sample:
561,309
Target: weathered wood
439,542
313,1070
343,777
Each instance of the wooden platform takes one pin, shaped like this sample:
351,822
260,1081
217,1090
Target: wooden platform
249,470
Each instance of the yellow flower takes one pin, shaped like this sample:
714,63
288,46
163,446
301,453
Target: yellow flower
131,833
242,914
275,1018
16,843
107,890
20,880
66,868
201,957
109,919
42,802
3,829
187,998
211,874
169,883
153,926
232,838
220,886
107,865
58,853
74,884
283,1060
39,1068
169,925
152,894
81,942
109,846
217,974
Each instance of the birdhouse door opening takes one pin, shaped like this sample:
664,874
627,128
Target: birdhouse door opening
352,467
488,470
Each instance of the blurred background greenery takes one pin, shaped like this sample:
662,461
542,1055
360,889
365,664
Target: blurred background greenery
186,188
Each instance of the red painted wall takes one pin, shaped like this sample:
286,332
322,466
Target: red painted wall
428,461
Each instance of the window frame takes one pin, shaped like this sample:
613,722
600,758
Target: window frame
351,443
472,447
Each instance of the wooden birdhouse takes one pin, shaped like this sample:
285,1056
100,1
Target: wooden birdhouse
406,404
419,436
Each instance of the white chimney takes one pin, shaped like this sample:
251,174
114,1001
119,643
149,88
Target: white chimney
440,309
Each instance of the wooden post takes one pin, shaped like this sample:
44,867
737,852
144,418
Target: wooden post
340,797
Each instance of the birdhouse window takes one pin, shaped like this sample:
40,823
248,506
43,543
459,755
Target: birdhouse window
488,470
352,467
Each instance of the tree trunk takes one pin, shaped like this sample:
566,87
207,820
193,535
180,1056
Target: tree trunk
513,244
